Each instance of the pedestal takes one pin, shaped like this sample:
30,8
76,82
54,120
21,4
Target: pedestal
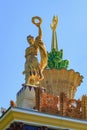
26,97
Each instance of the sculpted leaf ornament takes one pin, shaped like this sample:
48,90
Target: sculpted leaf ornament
55,60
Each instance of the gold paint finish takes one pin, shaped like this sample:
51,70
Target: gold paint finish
33,69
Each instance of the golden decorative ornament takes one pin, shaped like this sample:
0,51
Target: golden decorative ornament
36,18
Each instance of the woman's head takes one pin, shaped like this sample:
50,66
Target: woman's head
30,39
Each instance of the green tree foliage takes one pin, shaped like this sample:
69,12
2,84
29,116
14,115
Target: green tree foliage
55,60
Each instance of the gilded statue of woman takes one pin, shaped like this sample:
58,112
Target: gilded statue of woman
33,69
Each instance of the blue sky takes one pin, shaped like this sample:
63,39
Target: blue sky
15,25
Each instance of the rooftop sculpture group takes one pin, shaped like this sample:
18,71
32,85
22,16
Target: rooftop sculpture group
33,69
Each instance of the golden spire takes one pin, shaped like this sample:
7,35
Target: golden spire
53,26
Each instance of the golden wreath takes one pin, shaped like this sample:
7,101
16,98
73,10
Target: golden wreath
36,18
